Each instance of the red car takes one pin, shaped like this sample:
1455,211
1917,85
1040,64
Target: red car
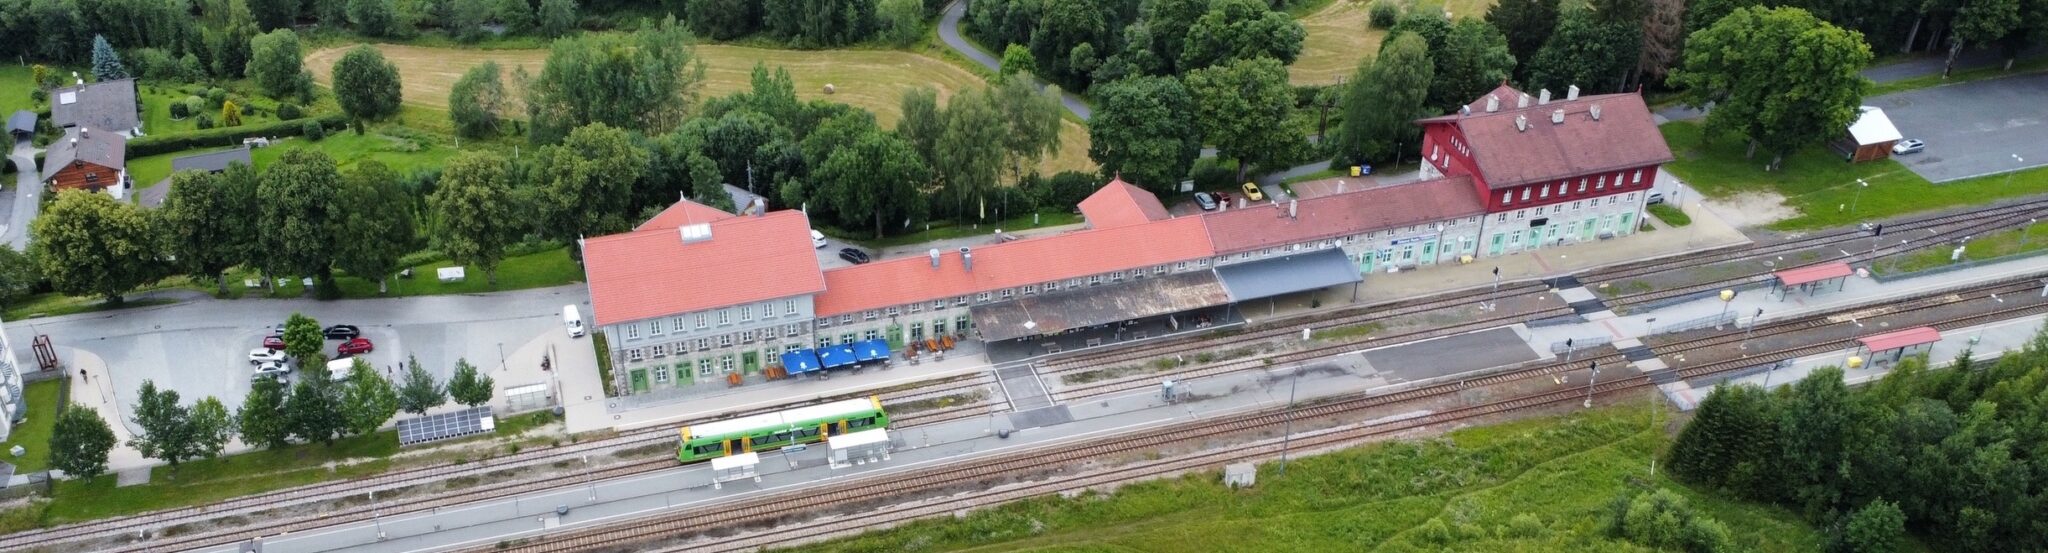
273,342
354,346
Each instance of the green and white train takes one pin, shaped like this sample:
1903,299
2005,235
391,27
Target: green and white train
769,431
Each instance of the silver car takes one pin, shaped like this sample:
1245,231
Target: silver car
1909,146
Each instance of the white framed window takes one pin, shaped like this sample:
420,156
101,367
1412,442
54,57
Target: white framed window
660,373
746,313
1576,205
1525,194
1610,199
789,307
871,334
792,329
892,311
703,321
1602,186
676,322
962,300
1052,286
824,322
916,308
1638,179
1582,188
1603,181
1556,209
1094,280
704,367
725,364
846,319
983,297
1161,269
938,305
1116,277
1631,197
1203,262
1030,289
654,327
1433,152
660,350
1502,218
725,340
1507,198
747,337
635,354
1521,214
1545,192
724,317
1008,293
703,344
868,315
632,331
1183,265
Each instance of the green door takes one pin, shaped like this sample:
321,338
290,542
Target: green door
1626,223
895,336
639,380
1429,253
750,362
1587,232
1499,241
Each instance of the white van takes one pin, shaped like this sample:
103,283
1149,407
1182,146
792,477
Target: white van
573,319
817,240
337,370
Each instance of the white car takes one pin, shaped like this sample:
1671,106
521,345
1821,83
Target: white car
260,356
272,369
1909,146
817,239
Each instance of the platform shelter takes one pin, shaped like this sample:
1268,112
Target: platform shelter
1811,279
1890,347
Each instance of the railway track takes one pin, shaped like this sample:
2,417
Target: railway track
769,509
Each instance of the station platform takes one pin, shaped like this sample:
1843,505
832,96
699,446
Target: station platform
1985,342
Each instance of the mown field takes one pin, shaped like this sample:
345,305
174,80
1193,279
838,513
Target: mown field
871,79
1454,493
1339,36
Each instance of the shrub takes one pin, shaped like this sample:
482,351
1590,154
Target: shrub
194,105
38,95
205,121
313,130
1209,174
178,110
165,143
288,111
215,96
1384,13
1670,215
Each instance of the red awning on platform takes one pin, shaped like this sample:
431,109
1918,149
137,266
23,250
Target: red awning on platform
1812,273
1900,339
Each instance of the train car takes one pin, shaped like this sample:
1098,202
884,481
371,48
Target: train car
769,431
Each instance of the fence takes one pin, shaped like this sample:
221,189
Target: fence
1580,343
1696,324
1956,266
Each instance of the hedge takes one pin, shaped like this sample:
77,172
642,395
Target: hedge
225,136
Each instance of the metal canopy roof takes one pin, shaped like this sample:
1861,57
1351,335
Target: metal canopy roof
1086,307
1288,274
1901,338
1813,273
467,422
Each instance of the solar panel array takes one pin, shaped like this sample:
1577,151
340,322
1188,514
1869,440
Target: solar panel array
467,422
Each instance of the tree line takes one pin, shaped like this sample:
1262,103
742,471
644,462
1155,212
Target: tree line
1081,42
1957,455
215,34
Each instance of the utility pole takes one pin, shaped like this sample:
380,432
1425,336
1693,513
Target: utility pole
1493,300
1590,381
1287,436
1752,327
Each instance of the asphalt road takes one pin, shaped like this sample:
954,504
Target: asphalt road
949,32
27,183
1973,128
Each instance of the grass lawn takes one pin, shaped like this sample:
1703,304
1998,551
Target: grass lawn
2022,67
1823,188
15,86
1989,246
1456,493
402,153
1338,37
550,267
209,480
946,229
1670,215
871,79
52,304
34,432
157,100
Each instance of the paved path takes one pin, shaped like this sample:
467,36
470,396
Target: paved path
949,32
27,183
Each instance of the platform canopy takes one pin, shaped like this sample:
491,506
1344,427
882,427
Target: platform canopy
1095,305
1812,273
833,357
800,361
871,350
1901,339
1288,274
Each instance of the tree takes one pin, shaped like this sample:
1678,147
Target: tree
901,22
80,442
231,46
818,23
208,220
1062,26
1144,129
515,15
303,339
88,243
1017,59
1472,60
722,19
733,139
366,85
230,114
468,387
584,185
1663,34
274,14
374,17
1155,42
1878,527
676,167
18,275
378,222
301,213
556,18
877,179
475,214
263,418
167,430
1238,30
419,392
276,63
106,65
1385,95
969,152
1031,123
466,19
367,398
1979,22
1588,52
211,427
477,101
1729,430
1776,76
314,410
923,121
644,81
1243,108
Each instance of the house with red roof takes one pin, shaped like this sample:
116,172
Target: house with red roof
1550,171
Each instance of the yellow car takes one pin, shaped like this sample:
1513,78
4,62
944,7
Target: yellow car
1251,192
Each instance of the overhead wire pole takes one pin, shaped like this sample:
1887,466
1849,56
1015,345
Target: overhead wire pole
1293,383
1590,382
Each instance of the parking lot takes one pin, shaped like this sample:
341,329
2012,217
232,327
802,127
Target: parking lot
1972,129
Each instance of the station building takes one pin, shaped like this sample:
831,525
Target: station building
695,293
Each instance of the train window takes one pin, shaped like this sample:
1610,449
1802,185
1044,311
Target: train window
863,422
778,437
712,447
806,433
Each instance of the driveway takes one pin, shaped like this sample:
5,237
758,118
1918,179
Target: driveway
27,183
949,32
1973,128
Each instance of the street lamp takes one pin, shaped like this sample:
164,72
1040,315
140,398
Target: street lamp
1860,185
1590,382
1752,327
1727,298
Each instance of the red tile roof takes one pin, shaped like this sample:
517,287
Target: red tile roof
652,272
1623,137
1901,338
1812,273
1030,261
1343,214
1120,204
683,213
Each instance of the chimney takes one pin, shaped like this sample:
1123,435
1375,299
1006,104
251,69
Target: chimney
1595,110
935,258
967,259
1523,101
1557,117
1544,98
1571,92
84,132
1492,103
758,206
1293,206
1521,123
1464,110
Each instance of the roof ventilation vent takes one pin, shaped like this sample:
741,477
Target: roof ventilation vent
967,259
1571,92
1544,97
1557,117
695,233
1522,101
1492,103
935,258
1521,123
1293,207
1595,111
1464,110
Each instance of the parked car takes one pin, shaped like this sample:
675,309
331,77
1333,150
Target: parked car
1207,201
342,332
355,346
853,255
1222,200
1253,193
817,240
273,341
272,369
1909,146
1654,199
260,356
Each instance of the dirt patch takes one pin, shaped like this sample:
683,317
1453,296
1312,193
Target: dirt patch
1754,208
